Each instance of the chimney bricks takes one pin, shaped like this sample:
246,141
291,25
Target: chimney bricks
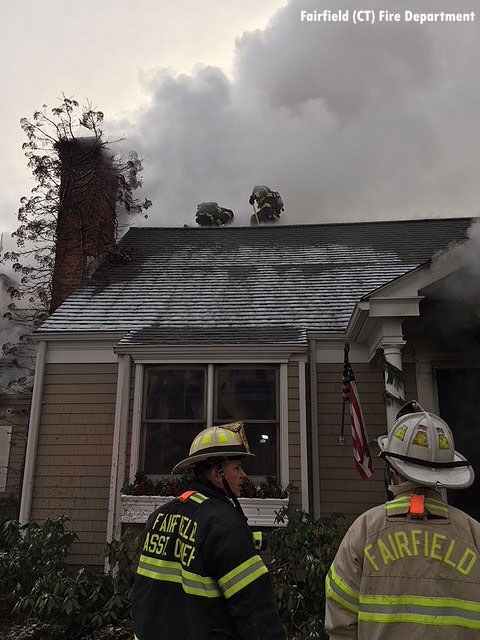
86,224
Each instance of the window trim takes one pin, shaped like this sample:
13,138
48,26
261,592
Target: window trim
283,445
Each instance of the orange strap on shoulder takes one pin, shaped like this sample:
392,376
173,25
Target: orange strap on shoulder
186,495
417,506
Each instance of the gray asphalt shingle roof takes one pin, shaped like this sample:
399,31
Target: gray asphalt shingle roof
248,285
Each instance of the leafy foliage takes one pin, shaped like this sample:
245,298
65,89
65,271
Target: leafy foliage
145,486
48,132
268,489
56,602
39,585
301,556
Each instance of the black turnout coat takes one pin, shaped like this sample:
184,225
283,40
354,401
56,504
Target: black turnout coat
199,576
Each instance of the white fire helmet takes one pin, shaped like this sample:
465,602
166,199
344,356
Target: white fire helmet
417,439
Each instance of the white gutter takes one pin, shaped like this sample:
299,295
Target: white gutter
312,355
33,430
119,448
303,434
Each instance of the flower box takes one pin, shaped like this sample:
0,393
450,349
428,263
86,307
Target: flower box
261,512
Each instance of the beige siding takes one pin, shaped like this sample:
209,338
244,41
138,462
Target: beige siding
341,488
72,473
14,412
294,436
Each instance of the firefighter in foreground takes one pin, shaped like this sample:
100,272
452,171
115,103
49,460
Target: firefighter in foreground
269,205
410,568
200,576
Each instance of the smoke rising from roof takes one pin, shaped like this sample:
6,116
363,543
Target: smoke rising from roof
348,122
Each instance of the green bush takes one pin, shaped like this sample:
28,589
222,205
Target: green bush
54,601
301,556
37,582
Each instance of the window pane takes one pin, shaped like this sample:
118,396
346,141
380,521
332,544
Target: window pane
166,444
176,394
263,443
246,394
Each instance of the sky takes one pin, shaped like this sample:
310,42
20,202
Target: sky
347,121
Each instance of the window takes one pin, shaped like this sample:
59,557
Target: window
250,394
175,410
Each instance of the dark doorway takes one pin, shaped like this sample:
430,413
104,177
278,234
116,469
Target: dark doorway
458,395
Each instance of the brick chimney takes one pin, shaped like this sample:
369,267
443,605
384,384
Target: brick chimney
86,221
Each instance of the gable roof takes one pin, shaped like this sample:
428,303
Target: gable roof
247,285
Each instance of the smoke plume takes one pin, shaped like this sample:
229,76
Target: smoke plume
348,122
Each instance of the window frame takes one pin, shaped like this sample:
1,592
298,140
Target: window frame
210,364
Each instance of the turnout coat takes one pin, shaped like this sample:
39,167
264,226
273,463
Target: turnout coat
407,569
200,576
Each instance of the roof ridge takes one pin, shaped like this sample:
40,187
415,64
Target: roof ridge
316,224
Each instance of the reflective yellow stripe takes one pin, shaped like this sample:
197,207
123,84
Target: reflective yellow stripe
335,595
257,540
436,505
433,620
167,571
198,497
343,585
422,601
420,610
243,575
389,506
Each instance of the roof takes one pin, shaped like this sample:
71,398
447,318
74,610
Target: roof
248,285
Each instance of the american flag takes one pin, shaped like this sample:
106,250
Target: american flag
361,452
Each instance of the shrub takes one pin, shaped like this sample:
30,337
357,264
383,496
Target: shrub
38,584
301,556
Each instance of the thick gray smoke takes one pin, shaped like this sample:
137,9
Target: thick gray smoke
348,122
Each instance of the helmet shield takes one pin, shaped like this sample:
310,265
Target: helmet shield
427,438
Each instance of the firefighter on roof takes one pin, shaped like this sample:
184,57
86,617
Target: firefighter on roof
200,576
269,205
210,214
411,567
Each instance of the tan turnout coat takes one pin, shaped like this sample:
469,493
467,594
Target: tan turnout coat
398,576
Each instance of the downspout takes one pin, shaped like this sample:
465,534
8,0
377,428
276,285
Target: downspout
33,430
312,356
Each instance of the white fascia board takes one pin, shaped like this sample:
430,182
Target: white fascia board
390,307
211,353
331,350
67,351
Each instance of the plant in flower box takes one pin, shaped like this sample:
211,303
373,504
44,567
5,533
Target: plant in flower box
267,489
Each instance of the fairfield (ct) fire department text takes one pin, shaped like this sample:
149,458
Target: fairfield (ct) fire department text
371,16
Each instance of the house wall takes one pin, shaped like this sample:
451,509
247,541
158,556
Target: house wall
72,473
294,435
14,413
341,488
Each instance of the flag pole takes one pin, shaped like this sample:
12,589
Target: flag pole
346,349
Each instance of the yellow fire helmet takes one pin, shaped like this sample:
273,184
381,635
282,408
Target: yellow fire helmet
421,448
225,441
